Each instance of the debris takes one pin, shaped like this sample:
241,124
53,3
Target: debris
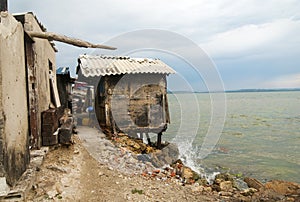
56,169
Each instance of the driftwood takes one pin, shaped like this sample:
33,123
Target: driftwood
75,42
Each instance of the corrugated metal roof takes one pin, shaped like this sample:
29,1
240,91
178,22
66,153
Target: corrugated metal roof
63,70
114,65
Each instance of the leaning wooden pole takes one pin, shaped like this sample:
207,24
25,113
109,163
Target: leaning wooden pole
65,39
3,5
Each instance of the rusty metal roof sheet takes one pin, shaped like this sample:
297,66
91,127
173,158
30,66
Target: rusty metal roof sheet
113,65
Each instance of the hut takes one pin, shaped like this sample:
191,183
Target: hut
64,85
130,95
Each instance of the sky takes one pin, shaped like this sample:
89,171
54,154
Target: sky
211,44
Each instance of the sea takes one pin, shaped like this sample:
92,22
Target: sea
254,134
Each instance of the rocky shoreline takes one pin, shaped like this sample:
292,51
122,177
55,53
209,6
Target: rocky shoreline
164,165
129,170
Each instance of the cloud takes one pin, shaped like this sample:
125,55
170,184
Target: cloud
247,37
286,81
253,39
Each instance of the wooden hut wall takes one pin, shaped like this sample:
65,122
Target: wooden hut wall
132,103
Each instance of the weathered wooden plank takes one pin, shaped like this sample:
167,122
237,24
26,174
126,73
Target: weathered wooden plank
65,39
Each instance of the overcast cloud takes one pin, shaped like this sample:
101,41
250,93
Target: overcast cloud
254,44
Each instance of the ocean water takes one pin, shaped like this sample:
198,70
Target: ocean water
260,137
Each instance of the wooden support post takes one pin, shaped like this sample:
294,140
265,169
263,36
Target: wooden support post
3,5
159,140
148,139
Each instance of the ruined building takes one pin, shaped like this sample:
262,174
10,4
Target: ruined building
30,105
28,87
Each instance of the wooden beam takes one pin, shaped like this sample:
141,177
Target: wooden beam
3,5
65,39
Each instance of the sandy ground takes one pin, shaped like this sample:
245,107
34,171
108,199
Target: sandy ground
73,174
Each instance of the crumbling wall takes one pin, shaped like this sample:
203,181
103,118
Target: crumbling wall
14,150
43,77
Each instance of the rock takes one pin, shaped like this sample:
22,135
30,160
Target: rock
282,187
58,188
253,183
57,169
149,150
187,173
226,186
225,193
207,189
51,194
4,188
224,177
168,155
133,144
223,182
290,199
248,192
202,181
197,188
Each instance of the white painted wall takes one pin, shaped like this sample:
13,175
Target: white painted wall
13,99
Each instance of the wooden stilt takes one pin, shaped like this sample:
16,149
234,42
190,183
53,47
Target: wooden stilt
148,139
159,140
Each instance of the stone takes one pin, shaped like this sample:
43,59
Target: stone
207,189
282,187
58,188
225,193
4,188
224,177
253,183
57,169
226,186
202,181
248,192
197,188
187,173
51,194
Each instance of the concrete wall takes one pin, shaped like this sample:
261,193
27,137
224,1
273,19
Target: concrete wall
14,148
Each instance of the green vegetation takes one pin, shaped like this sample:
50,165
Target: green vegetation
134,191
